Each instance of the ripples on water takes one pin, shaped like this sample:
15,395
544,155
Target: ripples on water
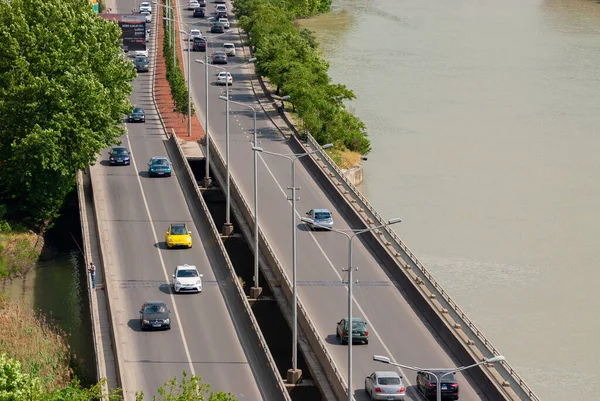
484,123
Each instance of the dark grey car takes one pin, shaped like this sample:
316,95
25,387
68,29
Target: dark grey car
155,315
119,155
137,115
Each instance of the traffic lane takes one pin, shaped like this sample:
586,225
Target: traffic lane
218,356
136,277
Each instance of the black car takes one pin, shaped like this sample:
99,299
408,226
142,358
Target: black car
220,14
199,12
155,315
217,27
427,384
202,3
119,156
137,115
219,58
199,45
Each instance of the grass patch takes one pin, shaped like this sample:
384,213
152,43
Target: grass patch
40,346
344,158
18,253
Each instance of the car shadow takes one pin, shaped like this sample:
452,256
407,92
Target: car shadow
134,324
332,339
165,289
144,174
104,163
304,227
161,245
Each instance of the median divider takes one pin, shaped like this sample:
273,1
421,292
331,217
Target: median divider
323,367
255,346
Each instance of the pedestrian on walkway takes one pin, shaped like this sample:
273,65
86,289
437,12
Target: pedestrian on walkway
92,270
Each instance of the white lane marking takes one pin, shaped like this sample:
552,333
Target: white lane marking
373,329
162,262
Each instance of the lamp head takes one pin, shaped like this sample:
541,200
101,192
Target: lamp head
257,149
223,97
199,61
494,359
307,220
381,358
286,97
394,221
252,59
327,146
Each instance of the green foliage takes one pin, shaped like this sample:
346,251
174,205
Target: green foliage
289,57
16,385
175,77
63,93
190,389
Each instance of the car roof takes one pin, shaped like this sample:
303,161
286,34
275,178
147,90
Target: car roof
155,303
321,211
228,44
387,373
195,30
177,224
159,158
138,109
119,148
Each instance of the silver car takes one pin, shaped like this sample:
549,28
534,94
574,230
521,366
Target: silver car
385,386
322,219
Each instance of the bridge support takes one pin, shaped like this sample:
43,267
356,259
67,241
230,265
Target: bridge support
227,229
255,292
206,181
293,375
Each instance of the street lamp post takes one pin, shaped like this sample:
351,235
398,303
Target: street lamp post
350,235
293,374
445,372
256,290
227,227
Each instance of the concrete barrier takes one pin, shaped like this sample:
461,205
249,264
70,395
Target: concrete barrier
253,341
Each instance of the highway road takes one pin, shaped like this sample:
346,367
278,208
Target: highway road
395,329
136,212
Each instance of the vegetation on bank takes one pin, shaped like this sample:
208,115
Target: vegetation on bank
35,364
63,94
289,57
18,249
177,83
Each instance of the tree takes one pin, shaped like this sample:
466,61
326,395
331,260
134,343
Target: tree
63,93
16,385
190,389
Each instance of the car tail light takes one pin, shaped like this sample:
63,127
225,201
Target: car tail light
454,385
431,385
366,333
378,389
402,390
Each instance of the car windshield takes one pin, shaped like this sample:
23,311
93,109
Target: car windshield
322,215
119,151
228,46
187,273
178,230
195,32
160,162
446,379
358,325
138,110
388,381
155,309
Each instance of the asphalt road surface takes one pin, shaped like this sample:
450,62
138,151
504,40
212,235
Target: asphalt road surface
137,211
395,329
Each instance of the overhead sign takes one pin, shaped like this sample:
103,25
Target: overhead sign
133,30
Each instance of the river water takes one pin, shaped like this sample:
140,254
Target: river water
484,122
57,287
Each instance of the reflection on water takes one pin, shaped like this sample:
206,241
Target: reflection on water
484,123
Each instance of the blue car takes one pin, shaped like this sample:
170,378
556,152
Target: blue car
159,166
118,156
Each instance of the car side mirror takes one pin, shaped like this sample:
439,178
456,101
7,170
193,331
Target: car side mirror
148,163
173,276
201,275
169,310
189,232
141,311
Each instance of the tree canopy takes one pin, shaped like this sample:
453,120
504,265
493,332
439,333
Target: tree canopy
289,57
63,92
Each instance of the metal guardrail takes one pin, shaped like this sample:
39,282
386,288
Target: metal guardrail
483,344
216,234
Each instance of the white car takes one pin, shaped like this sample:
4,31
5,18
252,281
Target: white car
140,53
145,6
193,4
221,8
147,15
224,78
385,386
195,33
187,278
229,49
225,22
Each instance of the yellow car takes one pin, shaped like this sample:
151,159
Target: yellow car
178,235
